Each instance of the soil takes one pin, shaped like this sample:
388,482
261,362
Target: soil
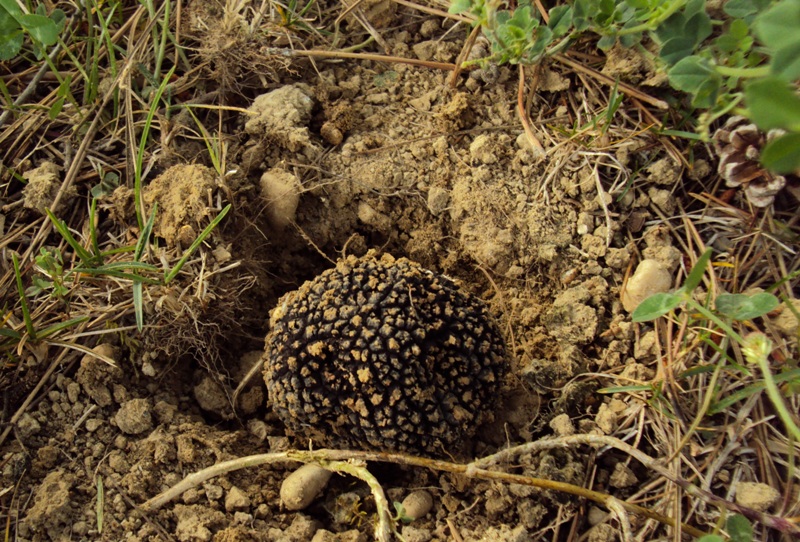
333,159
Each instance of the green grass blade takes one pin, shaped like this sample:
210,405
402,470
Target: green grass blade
55,328
118,250
742,394
118,266
197,242
208,140
93,230
696,274
26,313
120,275
626,389
87,259
10,333
137,166
138,306
144,238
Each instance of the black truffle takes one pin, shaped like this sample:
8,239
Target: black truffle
383,354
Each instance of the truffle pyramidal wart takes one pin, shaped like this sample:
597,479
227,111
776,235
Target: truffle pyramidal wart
383,354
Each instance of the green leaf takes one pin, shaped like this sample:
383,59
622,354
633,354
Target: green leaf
59,18
690,73
778,26
560,20
674,49
739,9
10,44
655,306
582,11
786,62
606,42
711,538
10,7
782,154
40,27
698,27
696,274
629,40
744,307
739,528
460,6
773,103
695,7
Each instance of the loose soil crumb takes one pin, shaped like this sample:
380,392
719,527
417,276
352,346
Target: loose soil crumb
184,195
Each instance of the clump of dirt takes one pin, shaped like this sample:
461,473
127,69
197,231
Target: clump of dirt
44,183
184,195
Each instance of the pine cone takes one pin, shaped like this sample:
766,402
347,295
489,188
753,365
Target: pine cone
738,144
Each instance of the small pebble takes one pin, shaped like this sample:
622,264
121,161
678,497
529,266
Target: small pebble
303,486
417,504
649,278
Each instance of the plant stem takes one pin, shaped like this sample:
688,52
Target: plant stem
744,73
775,396
655,22
716,319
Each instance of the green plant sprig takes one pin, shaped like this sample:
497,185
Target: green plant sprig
750,66
756,347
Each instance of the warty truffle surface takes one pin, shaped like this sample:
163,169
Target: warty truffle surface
383,354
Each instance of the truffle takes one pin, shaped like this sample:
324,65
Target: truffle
383,354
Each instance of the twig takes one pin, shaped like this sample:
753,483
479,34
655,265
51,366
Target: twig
625,88
289,53
462,56
385,530
538,150
475,470
775,522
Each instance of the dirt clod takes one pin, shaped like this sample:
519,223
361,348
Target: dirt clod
43,185
755,495
281,116
183,194
134,417
280,189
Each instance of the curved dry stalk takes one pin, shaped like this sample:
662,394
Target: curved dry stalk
385,529
615,506
474,470
536,145
775,522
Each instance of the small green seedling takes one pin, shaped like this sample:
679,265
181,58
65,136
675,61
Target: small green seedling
53,279
400,513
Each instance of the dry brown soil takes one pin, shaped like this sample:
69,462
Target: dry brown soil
338,158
